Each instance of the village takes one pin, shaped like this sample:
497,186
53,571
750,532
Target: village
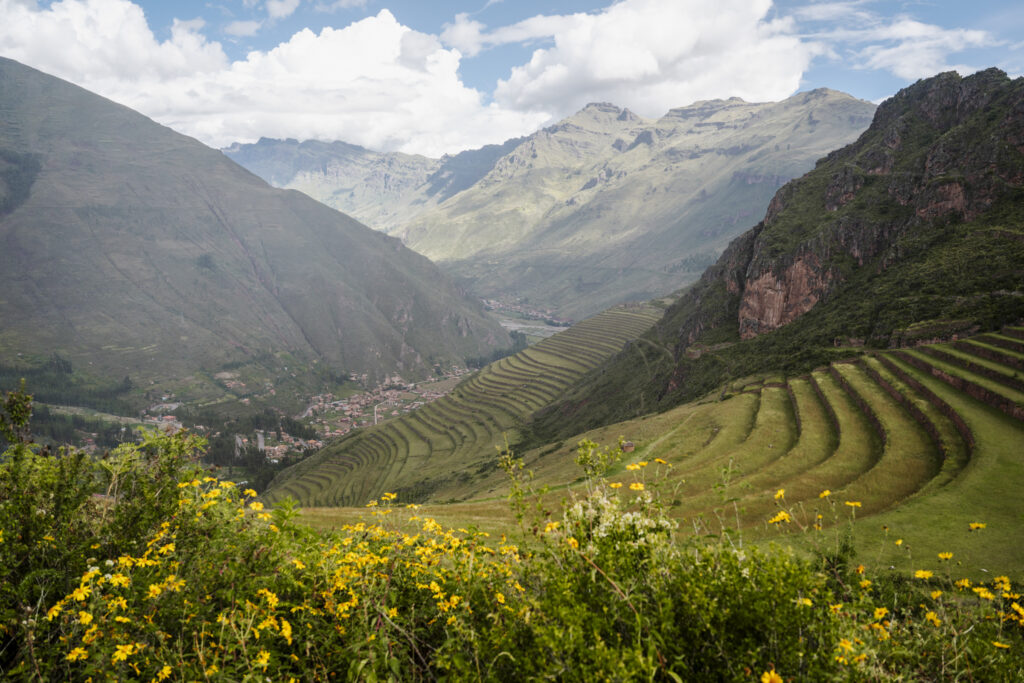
333,416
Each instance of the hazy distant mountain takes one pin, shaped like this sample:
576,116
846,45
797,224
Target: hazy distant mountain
383,190
130,249
603,207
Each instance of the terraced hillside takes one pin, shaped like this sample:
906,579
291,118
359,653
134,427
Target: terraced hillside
438,449
923,440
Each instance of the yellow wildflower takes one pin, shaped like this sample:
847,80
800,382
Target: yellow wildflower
922,574
53,612
632,467
550,526
636,486
122,653
1001,646
616,485
963,583
899,541
933,618
781,493
945,556
84,618
771,677
76,654
936,594
81,593
825,494
154,590
880,612
660,461
573,543
262,659
271,597
803,602
500,598
782,516
256,505
286,630
164,673
853,503
119,580
974,526
845,644
835,608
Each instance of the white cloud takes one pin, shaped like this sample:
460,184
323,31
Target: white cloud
911,49
279,9
375,82
243,28
649,55
103,42
907,48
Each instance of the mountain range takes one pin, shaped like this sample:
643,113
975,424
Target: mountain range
129,249
600,208
911,234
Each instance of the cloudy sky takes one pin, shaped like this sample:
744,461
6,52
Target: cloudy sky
440,76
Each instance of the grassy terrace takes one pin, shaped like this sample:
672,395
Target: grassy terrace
448,449
899,433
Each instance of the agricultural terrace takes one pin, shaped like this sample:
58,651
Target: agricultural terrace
449,448
910,446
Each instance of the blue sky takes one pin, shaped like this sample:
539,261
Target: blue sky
437,77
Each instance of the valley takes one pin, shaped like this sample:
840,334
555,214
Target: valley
677,418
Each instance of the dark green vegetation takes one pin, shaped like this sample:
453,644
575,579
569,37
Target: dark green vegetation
448,448
170,574
600,208
913,233
129,249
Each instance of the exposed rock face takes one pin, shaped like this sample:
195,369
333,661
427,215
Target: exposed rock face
943,149
770,301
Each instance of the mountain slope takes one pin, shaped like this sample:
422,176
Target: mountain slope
130,249
383,190
914,232
600,208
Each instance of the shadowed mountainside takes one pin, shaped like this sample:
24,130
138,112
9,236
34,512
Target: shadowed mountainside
130,249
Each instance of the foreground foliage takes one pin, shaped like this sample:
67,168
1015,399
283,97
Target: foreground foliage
173,575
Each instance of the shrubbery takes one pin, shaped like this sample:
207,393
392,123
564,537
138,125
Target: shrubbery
138,566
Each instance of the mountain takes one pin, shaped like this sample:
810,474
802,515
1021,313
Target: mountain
603,207
913,233
383,190
129,249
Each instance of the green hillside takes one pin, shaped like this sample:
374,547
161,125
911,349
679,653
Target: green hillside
131,250
449,448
